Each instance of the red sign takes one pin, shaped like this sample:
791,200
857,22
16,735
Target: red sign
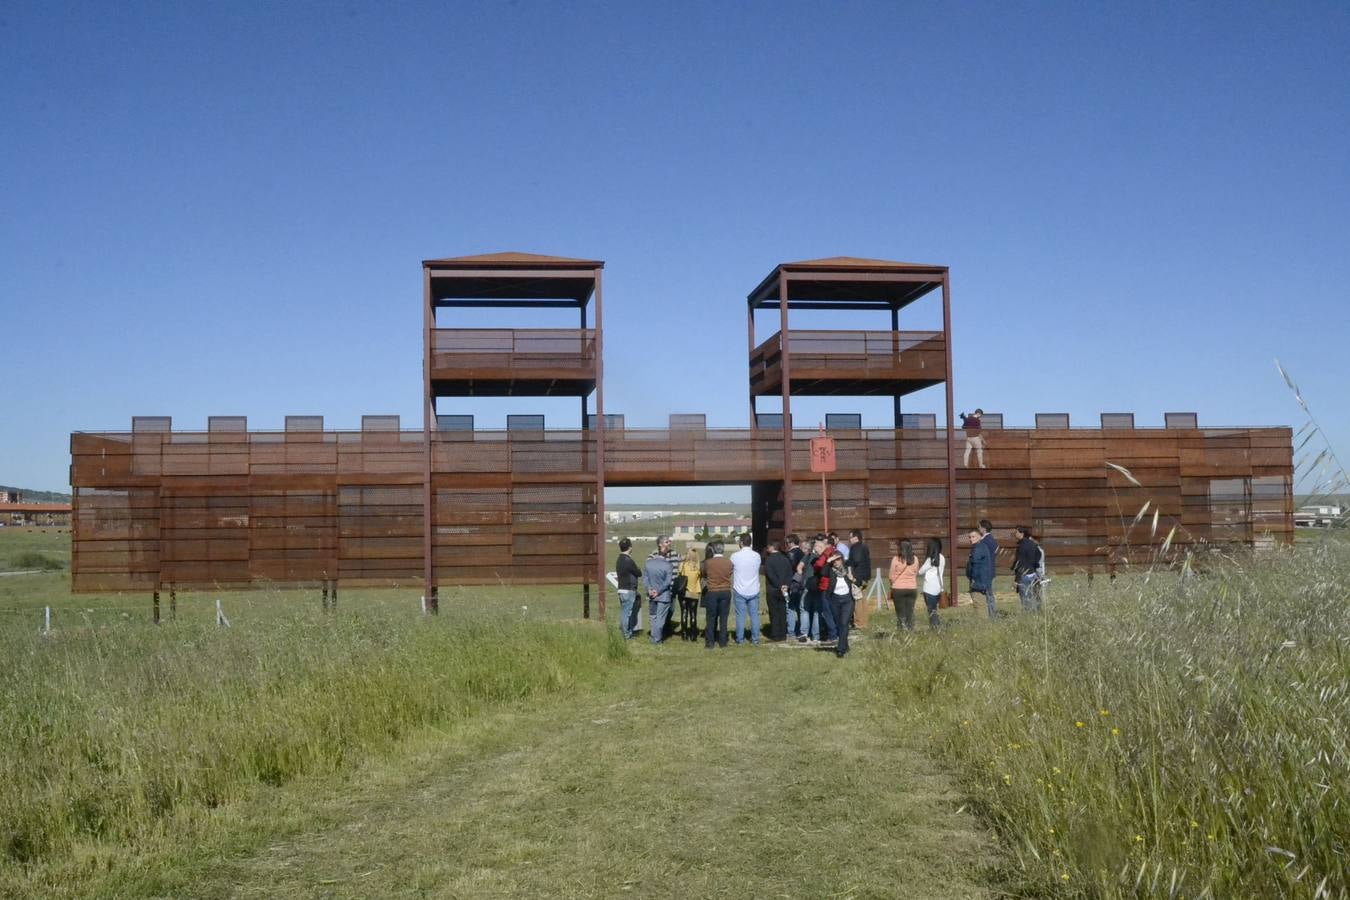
822,454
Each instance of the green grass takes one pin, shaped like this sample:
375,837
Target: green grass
34,548
688,773
115,736
1158,735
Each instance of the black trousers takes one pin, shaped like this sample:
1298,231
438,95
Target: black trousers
777,602
903,601
843,608
688,617
718,604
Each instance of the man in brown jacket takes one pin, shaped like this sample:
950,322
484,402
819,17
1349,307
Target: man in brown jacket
717,598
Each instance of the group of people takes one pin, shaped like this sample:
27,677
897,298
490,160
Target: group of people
1028,567
811,587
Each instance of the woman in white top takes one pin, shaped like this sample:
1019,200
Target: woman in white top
933,570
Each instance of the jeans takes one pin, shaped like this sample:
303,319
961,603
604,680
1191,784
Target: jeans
843,608
1029,592
829,624
988,601
747,604
660,612
628,610
931,601
903,601
795,615
718,604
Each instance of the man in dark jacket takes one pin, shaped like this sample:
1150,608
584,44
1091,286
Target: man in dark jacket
628,574
798,623
980,572
859,562
1026,569
778,581
987,538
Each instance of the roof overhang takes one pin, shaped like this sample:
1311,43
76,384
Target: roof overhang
847,283
511,279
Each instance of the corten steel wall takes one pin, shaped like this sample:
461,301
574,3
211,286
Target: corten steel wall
300,508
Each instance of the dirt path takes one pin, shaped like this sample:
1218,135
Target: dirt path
738,773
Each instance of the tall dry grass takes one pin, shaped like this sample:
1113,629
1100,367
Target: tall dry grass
107,733
1167,734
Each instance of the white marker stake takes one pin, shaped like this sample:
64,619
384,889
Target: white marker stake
46,621
220,616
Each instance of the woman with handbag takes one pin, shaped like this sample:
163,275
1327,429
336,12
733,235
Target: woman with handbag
933,570
687,591
837,587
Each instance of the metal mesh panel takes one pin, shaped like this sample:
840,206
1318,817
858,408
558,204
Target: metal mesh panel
991,421
919,421
1180,420
304,423
227,508
1117,420
379,423
843,422
1052,420
230,424
151,424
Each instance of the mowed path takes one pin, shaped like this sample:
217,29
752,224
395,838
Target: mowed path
742,772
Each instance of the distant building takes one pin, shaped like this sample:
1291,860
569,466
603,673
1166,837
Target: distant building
10,497
16,512
1319,516
689,529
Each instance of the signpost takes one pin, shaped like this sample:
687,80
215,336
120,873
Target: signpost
822,461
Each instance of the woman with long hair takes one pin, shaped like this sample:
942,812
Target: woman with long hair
904,584
692,590
933,570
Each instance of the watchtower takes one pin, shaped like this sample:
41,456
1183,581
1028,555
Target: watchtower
834,362
514,362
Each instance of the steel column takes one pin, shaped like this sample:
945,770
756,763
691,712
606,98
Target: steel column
428,414
951,449
750,387
786,369
600,444
895,350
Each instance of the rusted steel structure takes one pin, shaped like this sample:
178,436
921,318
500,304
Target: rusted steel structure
160,509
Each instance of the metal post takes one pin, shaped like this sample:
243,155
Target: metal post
325,596
599,445
332,598
585,432
786,369
428,416
951,449
173,603
895,352
750,329
154,607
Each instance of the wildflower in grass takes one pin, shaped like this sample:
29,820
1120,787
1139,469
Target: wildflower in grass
1138,838
1007,779
1115,732
1104,712
1194,824
1056,770
1052,831
1077,724
1065,876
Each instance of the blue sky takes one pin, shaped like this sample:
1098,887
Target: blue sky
222,209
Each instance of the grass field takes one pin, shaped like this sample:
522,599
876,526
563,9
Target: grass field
509,748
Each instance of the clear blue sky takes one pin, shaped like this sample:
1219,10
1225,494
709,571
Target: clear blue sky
221,208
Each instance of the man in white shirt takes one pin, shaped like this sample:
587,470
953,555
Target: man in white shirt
745,564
